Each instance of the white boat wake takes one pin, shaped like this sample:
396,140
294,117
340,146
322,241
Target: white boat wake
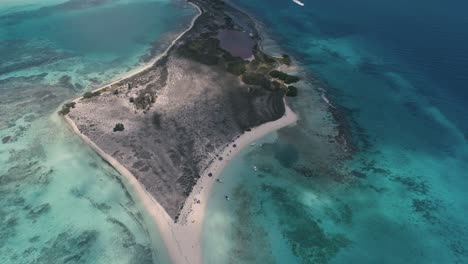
298,2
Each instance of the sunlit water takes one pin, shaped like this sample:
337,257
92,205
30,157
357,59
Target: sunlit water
59,202
398,71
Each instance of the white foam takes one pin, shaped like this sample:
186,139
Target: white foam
298,2
324,98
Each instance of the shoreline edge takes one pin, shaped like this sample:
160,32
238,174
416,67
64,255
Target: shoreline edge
182,239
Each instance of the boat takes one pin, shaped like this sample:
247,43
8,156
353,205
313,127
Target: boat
226,197
255,168
298,2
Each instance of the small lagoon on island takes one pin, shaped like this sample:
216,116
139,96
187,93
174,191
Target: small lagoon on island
59,202
238,43
396,75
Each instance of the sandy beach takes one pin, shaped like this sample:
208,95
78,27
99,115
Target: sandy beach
190,227
150,63
183,239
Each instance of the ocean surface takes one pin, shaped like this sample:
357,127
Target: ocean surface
397,74
59,202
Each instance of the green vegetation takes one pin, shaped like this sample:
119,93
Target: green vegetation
292,91
286,78
286,59
234,65
277,74
256,79
66,108
203,50
264,68
275,85
236,68
119,127
70,105
309,239
265,58
88,95
144,100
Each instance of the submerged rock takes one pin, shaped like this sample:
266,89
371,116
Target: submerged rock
67,248
6,139
38,211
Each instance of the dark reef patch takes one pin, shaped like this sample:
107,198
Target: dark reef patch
358,174
6,139
413,184
321,170
427,209
127,237
38,211
286,154
68,247
307,239
342,214
8,225
141,255
248,236
66,82
370,166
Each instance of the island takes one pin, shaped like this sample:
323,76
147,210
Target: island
170,127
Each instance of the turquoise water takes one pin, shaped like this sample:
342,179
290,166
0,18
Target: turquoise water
60,203
397,72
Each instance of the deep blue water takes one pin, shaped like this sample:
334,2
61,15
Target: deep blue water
425,41
398,72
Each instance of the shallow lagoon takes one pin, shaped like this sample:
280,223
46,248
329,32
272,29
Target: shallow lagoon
59,201
401,88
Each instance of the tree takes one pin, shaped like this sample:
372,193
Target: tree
292,91
286,59
88,95
119,127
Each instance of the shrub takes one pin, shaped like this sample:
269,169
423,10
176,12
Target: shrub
144,100
236,67
264,58
70,105
275,85
286,59
118,127
202,50
291,79
278,74
256,79
88,95
292,91
64,111
66,108
288,79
